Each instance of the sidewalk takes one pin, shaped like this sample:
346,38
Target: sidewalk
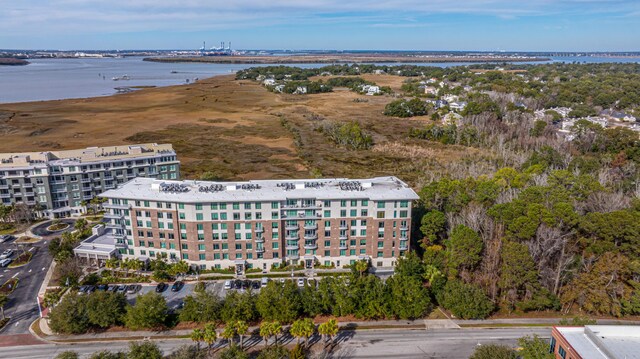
424,324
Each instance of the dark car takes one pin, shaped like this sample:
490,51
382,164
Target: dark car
122,288
102,287
255,284
245,284
112,288
238,283
177,286
161,287
90,289
133,288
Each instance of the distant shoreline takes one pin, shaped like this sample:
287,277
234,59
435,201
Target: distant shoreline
343,59
9,61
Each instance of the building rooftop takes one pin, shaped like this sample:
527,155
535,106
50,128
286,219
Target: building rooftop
604,341
80,156
101,241
377,189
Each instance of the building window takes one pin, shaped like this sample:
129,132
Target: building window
364,213
214,206
404,204
327,203
247,205
258,205
552,345
343,213
327,253
199,217
381,204
198,206
380,214
236,206
562,352
185,256
274,205
343,203
184,246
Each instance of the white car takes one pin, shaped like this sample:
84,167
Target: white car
5,262
6,254
227,284
301,282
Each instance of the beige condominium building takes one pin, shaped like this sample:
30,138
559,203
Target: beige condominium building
57,182
258,224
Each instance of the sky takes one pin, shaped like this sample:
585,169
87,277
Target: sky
465,25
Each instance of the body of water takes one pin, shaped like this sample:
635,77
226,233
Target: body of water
55,79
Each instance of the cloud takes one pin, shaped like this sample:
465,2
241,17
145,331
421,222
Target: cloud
61,17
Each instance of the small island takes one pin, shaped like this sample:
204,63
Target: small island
10,61
348,58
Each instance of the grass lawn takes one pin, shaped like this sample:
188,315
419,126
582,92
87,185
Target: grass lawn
26,239
58,227
22,259
9,286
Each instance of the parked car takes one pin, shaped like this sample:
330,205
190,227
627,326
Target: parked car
112,288
102,287
237,283
227,284
90,289
5,262
264,282
6,237
176,307
255,284
177,285
161,287
122,288
300,282
6,254
133,288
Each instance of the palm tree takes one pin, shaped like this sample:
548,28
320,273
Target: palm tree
229,332
362,266
265,331
112,263
328,330
241,328
197,336
4,299
297,330
210,335
276,329
126,265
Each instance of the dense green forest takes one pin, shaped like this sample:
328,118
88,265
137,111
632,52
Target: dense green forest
537,222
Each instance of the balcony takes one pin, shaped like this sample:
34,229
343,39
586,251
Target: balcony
113,216
343,246
344,236
291,247
85,180
311,236
4,186
310,246
293,257
291,227
114,225
292,238
300,205
404,228
5,195
260,250
403,247
259,230
344,226
404,238
28,185
116,206
311,227
259,240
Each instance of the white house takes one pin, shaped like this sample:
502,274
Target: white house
269,82
430,90
301,90
457,106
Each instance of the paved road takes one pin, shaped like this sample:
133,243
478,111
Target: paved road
41,229
450,344
22,306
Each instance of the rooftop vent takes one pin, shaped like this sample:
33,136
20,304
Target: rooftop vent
173,187
211,188
286,185
313,184
351,186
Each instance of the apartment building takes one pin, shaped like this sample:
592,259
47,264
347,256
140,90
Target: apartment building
57,182
595,342
260,224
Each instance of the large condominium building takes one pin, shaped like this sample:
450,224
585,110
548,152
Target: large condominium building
57,182
258,224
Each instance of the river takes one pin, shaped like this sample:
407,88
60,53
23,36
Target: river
56,79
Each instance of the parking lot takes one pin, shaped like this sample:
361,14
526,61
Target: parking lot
175,299
22,306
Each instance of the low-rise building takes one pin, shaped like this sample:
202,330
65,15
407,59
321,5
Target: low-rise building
56,183
260,224
596,342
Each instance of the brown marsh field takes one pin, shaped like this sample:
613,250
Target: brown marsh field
236,130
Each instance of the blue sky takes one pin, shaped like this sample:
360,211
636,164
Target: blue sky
490,25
